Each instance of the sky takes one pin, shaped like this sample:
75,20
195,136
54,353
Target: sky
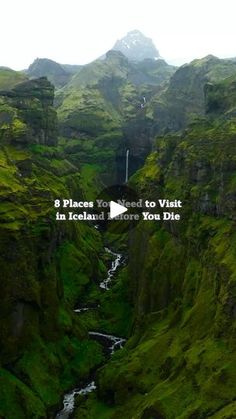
79,31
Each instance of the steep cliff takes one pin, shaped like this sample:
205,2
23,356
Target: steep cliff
103,107
45,266
180,359
183,101
176,298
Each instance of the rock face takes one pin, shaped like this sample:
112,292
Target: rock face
35,119
177,294
105,103
137,47
44,265
183,101
56,73
221,97
182,277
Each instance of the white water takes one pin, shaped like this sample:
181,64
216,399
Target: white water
115,264
69,400
81,310
116,343
127,167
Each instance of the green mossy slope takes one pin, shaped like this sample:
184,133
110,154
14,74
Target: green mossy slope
180,361
183,100
10,78
101,112
45,266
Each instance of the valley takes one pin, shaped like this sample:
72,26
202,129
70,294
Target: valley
109,342
135,325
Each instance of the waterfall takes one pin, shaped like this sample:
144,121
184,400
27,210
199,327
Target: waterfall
127,167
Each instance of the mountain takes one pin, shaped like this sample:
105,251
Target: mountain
10,78
42,342
116,82
137,47
221,97
180,360
57,74
183,100
105,98
71,68
173,297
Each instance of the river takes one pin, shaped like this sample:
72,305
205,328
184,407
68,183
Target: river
111,344
115,265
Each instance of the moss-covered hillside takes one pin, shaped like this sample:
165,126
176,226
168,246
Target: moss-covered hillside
45,266
176,298
183,101
180,361
10,78
104,105
56,73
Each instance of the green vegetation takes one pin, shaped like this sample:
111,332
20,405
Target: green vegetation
100,108
10,78
56,73
180,359
183,100
45,266
175,299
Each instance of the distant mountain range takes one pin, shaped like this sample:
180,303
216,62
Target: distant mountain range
135,46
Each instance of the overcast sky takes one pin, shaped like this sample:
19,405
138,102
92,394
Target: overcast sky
78,31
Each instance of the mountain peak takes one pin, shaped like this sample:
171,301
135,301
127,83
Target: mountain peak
44,67
117,55
40,65
136,46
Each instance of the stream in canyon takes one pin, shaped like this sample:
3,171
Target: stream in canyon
110,343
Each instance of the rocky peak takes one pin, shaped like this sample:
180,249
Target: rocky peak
43,67
137,46
117,56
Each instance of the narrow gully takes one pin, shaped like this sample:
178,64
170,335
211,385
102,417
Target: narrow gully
111,344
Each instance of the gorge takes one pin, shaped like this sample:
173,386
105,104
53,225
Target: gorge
72,293
111,343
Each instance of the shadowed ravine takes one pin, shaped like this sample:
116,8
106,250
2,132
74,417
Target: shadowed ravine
110,343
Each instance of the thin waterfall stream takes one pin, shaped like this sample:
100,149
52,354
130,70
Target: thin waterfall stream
127,166
110,342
